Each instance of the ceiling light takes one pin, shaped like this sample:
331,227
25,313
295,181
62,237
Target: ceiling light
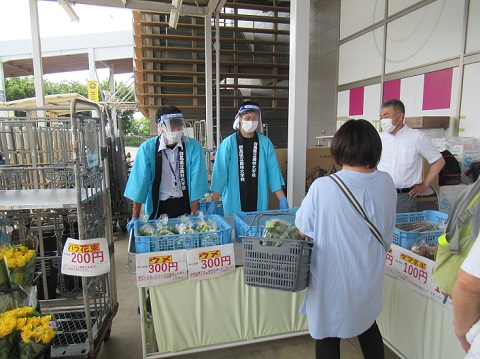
69,10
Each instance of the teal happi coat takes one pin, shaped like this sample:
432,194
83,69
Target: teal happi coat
142,176
225,176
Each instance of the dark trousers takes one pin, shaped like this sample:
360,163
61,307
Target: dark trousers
174,207
370,340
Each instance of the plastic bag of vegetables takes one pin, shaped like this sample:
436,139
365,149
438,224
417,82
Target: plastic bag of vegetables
291,233
206,226
275,227
185,226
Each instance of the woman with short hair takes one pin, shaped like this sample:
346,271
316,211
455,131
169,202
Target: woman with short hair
347,265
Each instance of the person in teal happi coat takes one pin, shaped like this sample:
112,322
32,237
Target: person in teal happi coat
246,166
169,173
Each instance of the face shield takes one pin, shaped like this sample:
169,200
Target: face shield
171,126
246,109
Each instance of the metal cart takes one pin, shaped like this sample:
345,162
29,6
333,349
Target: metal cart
55,181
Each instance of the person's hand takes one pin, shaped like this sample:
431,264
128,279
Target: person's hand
417,189
283,203
212,208
131,223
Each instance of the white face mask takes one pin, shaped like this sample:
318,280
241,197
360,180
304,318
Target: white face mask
387,125
249,126
174,136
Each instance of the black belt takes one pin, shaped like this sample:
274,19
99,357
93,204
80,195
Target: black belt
403,190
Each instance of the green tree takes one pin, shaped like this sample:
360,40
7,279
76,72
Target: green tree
17,88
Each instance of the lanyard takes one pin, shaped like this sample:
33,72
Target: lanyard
174,172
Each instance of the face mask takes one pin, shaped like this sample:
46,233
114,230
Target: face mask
249,126
174,136
387,125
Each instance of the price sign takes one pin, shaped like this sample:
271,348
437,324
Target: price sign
389,269
440,296
414,270
86,258
159,268
210,262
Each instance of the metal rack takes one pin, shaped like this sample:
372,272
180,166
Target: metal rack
55,183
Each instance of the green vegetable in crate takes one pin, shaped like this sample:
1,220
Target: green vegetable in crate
172,229
291,233
275,227
147,230
204,227
163,232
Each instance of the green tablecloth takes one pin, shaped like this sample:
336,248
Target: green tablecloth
190,314
415,325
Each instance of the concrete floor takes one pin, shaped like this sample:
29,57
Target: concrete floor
125,340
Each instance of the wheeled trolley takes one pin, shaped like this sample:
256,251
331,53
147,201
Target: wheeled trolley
55,183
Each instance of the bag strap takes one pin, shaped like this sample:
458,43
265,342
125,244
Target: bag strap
466,207
358,207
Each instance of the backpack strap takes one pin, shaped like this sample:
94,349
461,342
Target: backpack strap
358,207
467,207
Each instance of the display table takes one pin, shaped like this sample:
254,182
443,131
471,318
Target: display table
192,316
222,311
416,326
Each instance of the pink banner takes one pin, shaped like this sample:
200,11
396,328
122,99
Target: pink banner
356,101
391,90
437,89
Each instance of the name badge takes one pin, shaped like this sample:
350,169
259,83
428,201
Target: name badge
176,190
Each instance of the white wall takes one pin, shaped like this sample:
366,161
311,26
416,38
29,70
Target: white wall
421,41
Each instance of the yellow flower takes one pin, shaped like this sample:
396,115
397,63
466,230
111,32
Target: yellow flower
27,326
23,249
48,335
1,255
21,312
26,335
45,319
10,258
37,333
21,323
20,261
29,310
34,321
7,325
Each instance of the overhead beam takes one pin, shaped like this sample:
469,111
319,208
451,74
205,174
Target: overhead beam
144,5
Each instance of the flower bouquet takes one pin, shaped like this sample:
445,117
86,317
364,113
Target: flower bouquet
8,336
4,282
36,336
27,334
20,264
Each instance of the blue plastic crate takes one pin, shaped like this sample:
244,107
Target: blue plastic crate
146,244
251,224
203,206
407,239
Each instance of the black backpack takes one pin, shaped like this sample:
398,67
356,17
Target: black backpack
474,171
450,173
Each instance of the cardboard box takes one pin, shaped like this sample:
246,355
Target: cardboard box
319,163
428,122
447,196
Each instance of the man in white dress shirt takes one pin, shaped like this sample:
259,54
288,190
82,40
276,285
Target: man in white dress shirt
402,153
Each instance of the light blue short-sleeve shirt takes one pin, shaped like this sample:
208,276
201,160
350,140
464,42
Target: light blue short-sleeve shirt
347,266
